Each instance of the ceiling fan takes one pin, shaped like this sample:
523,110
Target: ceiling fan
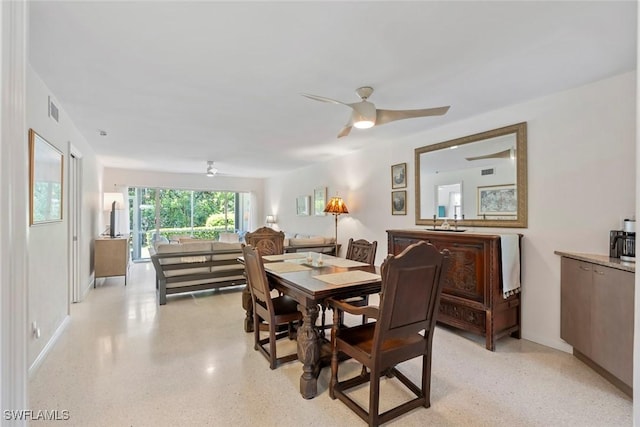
509,153
366,115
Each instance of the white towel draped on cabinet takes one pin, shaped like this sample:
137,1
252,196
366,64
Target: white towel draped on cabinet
510,264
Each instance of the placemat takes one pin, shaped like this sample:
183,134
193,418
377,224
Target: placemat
348,277
283,256
285,267
342,262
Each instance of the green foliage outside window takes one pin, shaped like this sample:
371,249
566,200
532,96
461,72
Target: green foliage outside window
213,212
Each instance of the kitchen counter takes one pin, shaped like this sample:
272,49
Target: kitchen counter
603,260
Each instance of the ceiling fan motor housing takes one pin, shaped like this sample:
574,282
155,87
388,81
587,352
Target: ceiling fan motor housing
364,114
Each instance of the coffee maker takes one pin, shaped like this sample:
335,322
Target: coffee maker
622,243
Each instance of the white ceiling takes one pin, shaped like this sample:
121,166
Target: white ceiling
178,83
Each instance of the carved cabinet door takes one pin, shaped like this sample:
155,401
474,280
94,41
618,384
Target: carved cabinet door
466,277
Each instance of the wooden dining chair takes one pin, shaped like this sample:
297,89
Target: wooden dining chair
281,310
269,242
363,251
411,286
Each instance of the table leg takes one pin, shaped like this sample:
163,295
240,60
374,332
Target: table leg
309,351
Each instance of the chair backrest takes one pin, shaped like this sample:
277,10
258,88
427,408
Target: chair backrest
256,276
361,250
411,286
266,240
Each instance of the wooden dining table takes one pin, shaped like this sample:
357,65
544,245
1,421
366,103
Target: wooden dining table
311,279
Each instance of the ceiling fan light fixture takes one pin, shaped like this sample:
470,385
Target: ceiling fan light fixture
364,115
363,124
211,171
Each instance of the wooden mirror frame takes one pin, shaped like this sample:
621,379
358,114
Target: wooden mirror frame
520,131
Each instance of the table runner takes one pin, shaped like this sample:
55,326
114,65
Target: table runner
341,262
348,277
285,267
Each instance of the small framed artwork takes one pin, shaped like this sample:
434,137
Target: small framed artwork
399,175
45,181
302,205
319,200
399,202
498,200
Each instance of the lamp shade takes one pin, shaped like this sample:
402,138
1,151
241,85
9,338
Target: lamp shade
271,219
109,198
336,206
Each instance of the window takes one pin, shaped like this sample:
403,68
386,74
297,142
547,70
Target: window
170,214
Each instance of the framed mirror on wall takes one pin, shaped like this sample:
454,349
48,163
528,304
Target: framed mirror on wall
45,181
480,180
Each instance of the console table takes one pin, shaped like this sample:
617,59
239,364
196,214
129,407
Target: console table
472,298
111,257
327,248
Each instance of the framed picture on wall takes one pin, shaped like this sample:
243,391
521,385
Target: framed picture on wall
302,205
497,200
399,202
399,175
45,181
319,200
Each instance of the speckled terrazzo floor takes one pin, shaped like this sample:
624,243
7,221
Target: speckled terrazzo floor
124,361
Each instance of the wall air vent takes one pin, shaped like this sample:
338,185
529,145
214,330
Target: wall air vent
53,110
487,172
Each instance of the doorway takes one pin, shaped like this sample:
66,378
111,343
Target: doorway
75,221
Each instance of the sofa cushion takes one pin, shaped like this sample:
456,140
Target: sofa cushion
226,246
194,239
229,237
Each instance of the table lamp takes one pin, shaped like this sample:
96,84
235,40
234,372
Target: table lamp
271,220
336,207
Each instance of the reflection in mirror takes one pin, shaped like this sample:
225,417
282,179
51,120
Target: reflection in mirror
449,201
492,166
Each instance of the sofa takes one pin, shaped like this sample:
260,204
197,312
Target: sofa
295,242
195,265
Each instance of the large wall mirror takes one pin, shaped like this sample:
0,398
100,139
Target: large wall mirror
478,180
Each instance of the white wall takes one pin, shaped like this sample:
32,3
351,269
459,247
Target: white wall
13,221
48,244
581,164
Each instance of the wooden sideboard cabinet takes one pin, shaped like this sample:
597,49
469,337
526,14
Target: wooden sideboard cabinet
596,317
111,257
472,297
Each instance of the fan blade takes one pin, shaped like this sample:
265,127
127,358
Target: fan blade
345,131
323,99
386,116
506,154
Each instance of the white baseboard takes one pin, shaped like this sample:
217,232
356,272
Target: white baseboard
54,338
87,289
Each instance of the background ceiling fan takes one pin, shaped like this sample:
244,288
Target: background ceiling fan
509,153
365,114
